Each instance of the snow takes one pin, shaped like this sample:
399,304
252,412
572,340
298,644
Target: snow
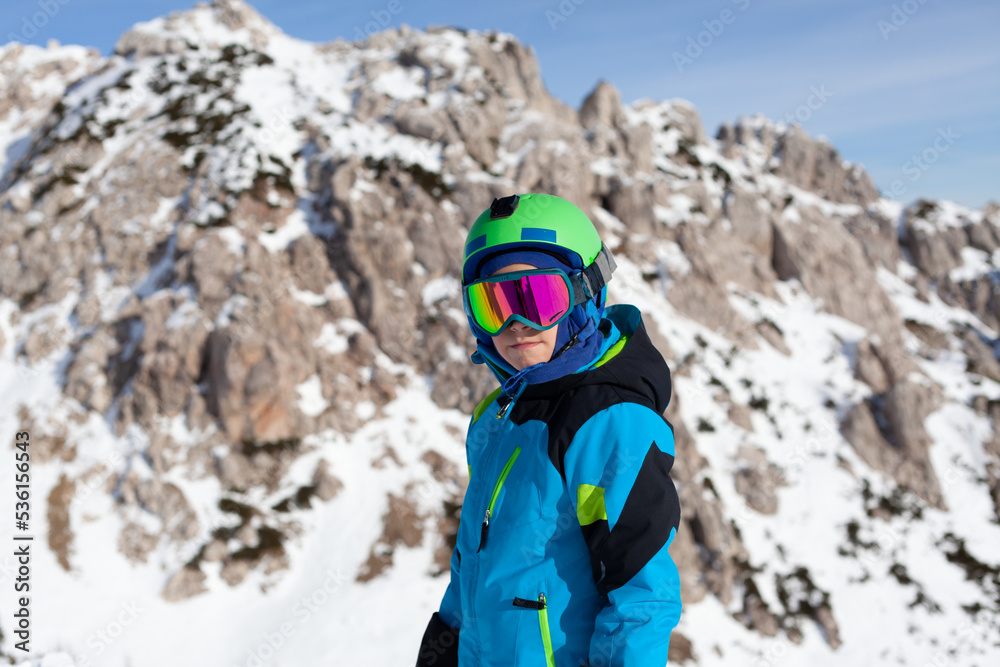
269,90
289,617
401,84
445,287
791,214
673,260
507,162
887,208
797,398
448,46
379,143
679,211
934,312
311,401
605,166
307,297
945,215
331,340
278,240
333,336
360,188
975,263
183,316
107,610
365,410
232,305
42,86
827,208
233,239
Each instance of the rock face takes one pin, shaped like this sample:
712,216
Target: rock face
900,447
941,237
832,267
816,166
219,259
758,480
936,234
810,164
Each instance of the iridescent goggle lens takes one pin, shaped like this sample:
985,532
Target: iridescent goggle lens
540,300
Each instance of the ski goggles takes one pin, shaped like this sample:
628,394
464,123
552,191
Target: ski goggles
540,298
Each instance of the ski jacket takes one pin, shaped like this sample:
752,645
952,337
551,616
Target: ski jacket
562,550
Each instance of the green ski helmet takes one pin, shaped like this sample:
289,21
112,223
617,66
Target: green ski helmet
541,222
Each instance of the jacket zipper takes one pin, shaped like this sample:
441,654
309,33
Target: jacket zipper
543,624
484,533
505,404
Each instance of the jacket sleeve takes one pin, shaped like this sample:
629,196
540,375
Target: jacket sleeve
439,646
451,605
617,473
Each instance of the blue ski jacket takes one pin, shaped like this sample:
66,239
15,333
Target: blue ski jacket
562,555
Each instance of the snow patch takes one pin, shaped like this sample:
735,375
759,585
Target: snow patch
278,240
365,410
439,289
307,297
400,84
234,240
311,401
333,336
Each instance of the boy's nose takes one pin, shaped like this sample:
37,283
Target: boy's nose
518,326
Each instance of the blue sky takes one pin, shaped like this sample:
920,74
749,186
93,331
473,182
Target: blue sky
894,77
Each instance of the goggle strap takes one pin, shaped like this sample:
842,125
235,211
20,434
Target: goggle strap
590,281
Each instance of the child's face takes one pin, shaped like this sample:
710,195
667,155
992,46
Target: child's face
519,344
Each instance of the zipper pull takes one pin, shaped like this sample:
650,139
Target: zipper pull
504,400
485,531
531,604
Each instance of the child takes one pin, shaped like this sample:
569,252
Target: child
561,557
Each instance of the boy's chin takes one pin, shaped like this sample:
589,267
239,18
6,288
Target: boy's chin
520,362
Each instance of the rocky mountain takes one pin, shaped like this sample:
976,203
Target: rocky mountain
230,321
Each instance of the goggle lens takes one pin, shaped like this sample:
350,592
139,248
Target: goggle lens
542,299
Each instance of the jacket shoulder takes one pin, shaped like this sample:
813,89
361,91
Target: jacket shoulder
485,403
568,414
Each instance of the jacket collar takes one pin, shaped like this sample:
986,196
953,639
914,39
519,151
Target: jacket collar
637,367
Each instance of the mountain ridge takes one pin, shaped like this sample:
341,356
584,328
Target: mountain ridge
232,282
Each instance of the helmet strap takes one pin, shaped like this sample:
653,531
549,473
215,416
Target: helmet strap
589,282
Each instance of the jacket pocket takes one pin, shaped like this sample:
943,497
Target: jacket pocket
541,606
497,487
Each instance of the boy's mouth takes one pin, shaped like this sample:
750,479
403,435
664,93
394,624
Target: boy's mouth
525,345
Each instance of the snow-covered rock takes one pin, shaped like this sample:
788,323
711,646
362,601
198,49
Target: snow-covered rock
230,319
